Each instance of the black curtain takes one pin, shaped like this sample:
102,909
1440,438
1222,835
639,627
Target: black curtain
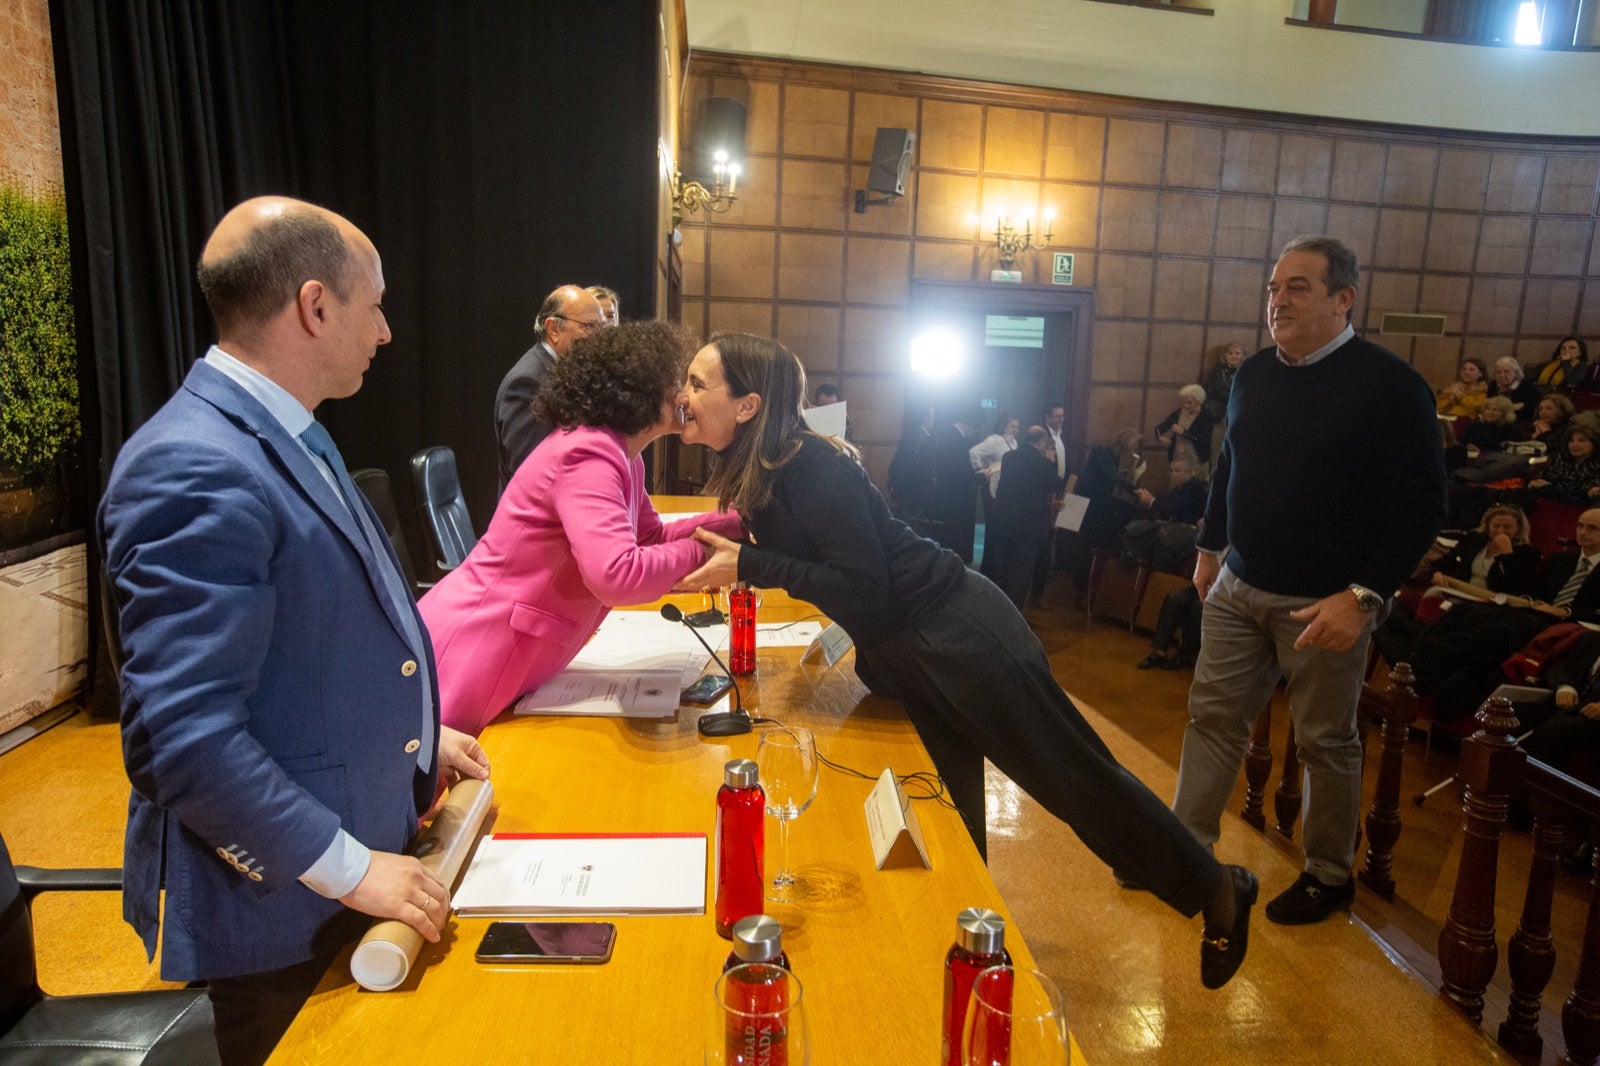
490,150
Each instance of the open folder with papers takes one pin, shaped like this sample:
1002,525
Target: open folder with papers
514,874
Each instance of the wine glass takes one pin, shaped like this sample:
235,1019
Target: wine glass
1014,1018
787,759
758,1017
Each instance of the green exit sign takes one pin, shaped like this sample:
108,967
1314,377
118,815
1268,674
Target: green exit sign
1062,274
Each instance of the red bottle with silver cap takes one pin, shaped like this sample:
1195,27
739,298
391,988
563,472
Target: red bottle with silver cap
980,944
741,841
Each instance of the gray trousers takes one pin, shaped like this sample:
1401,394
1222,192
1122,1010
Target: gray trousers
1246,642
975,682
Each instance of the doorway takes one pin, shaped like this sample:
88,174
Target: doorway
1024,347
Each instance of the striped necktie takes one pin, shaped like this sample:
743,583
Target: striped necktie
1569,591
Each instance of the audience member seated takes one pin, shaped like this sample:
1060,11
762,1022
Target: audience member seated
1110,481
1551,420
1190,423
1176,642
1219,383
1495,558
1495,424
1563,731
1457,658
1184,500
1573,473
1509,382
1568,367
1464,396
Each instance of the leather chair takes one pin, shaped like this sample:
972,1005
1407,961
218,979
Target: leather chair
167,1026
379,491
444,509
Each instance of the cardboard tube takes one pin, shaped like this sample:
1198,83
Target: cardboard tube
383,959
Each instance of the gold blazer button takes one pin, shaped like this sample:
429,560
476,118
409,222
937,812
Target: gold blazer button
412,746
408,667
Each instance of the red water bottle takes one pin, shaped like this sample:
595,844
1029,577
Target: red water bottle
758,938
742,629
980,944
741,828
756,1028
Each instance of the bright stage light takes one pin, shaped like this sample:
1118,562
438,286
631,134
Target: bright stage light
937,353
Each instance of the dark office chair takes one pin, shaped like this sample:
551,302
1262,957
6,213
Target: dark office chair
444,510
379,491
153,1028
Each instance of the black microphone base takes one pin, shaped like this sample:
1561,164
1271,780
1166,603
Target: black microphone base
723,724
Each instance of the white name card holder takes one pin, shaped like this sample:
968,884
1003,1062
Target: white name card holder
892,826
830,646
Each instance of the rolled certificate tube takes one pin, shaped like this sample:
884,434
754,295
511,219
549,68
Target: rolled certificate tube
383,959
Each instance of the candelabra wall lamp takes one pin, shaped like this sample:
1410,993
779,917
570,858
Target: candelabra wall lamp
1013,242
688,197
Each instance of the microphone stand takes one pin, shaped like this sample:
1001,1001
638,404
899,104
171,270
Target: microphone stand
720,724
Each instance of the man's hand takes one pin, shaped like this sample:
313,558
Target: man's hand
1334,622
460,755
1566,698
1590,711
400,887
721,568
1206,569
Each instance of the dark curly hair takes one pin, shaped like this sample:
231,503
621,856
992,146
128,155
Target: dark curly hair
617,378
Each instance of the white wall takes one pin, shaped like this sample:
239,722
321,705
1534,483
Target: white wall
1243,56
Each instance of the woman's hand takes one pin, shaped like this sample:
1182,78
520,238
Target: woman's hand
1538,483
1499,544
1439,581
721,567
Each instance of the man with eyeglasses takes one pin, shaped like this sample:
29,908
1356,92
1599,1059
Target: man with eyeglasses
567,315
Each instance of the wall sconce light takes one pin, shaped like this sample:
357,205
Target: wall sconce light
691,196
1013,243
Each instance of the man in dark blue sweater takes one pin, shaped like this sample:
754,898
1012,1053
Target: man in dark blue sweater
1329,488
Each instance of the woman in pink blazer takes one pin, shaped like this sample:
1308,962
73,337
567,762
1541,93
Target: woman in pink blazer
574,534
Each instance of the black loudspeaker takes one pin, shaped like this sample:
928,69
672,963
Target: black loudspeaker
891,160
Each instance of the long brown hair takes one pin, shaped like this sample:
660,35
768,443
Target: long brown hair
743,475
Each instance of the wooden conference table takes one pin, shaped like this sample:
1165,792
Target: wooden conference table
868,946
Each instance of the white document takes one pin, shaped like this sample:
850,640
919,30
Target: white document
635,666
606,693
516,874
828,420
1073,508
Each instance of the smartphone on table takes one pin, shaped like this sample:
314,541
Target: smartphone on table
578,942
707,690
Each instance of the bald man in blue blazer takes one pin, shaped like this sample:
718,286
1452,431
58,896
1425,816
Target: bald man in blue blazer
279,711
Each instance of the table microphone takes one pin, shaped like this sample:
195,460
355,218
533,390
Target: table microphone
721,724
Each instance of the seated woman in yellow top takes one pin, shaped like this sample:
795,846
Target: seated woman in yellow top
1568,367
1464,396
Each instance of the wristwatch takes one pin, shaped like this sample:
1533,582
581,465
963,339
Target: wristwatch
1366,599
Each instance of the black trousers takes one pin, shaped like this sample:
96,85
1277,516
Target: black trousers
1181,611
976,683
253,1011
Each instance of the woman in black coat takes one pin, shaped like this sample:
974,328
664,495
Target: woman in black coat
933,634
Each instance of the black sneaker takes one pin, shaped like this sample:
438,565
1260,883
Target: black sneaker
1308,900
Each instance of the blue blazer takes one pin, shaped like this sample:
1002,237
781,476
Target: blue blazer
269,697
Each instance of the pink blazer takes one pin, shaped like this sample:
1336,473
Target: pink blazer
574,535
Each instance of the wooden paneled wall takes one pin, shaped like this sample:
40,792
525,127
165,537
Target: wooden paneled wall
1175,214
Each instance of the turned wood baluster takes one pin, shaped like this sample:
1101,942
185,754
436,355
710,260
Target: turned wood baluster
1257,768
1580,1015
1286,801
1383,819
1530,953
1491,768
